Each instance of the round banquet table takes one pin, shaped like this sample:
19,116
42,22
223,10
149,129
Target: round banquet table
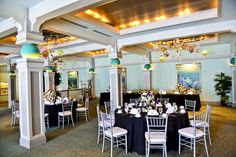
137,127
53,110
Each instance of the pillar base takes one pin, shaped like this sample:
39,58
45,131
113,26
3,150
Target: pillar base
32,143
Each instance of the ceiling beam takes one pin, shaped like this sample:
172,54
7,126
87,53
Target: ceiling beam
136,50
10,49
82,48
71,29
49,9
94,24
216,27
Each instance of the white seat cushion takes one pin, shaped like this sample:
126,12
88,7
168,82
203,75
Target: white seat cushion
82,109
189,132
65,113
156,137
199,123
79,105
117,131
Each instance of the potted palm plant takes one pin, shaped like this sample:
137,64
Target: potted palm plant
223,87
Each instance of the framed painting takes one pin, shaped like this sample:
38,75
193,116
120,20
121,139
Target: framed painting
72,79
189,75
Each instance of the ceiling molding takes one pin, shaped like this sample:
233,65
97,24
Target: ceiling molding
94,24
41,12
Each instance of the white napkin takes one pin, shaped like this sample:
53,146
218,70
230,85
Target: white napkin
168,105
58,101
152,113
47,102
176,92
65,99
170,110
163,92
133,111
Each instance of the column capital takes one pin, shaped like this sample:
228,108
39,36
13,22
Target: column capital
113,52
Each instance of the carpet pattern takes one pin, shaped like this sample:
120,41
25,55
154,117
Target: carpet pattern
80,141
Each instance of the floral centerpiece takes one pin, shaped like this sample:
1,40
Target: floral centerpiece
147,96
179,89
50,96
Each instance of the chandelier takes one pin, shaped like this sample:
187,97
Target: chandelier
179,46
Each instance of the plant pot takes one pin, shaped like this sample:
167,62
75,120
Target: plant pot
223,103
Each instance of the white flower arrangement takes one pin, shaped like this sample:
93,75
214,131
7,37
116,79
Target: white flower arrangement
50,96
147,96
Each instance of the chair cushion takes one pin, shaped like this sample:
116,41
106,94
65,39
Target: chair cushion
117,131
199,123
81,109
155,137
79,105
189,132
65,113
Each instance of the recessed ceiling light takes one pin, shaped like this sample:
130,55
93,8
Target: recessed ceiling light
135,23
163,17
146,21
105,20
187,12
89,12
96,15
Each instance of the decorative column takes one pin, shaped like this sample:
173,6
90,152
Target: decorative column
11,85
30,72
147,72
92,78
233,73
116,94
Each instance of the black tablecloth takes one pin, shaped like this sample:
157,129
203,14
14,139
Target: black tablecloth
137,127
53,110
178,99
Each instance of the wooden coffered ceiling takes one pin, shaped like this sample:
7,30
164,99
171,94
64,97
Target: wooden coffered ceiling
125,12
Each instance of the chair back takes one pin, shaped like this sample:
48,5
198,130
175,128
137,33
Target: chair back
134,100
108,107
157,124
67,106
87,102
98,113
14,106
163,100
190,105
81,99
103,118
208,113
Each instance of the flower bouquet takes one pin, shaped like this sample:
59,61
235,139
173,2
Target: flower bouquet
50,96
147,96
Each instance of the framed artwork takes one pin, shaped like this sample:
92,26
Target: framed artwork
73,79
189,75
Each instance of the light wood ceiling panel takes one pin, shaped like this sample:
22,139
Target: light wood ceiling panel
126,11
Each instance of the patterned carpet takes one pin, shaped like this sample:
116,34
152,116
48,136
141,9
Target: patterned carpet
80,141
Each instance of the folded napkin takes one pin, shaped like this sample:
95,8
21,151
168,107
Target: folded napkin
65,99
168,105
133,111
152,113
58,101
170,110
176,92
163,92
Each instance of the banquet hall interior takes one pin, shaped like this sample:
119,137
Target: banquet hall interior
93,78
